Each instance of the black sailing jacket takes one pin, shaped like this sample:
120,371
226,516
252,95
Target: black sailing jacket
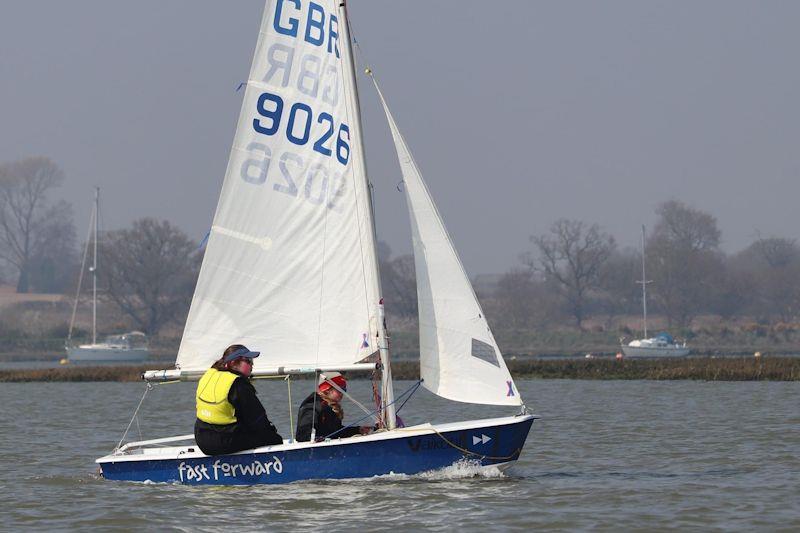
326,423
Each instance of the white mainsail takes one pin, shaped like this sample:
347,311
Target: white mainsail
459,358
289,268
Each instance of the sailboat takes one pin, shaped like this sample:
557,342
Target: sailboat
291,270
128,347
662,345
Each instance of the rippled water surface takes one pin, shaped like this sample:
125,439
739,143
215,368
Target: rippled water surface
606,454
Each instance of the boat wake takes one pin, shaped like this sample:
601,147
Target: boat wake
463,469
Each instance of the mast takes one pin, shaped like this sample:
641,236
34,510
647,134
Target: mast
644,283
387,390
94,264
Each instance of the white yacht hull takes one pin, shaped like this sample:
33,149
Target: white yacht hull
655,351
99,353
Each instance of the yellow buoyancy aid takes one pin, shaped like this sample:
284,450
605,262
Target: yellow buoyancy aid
213,406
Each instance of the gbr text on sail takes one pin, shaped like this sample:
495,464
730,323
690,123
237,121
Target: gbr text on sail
298,117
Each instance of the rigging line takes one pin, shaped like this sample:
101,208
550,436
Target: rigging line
367,70
470,452
344,393
465,450
139,429
291,415
416,386
349,114
313,435
147,389
357,44
83,267
408,392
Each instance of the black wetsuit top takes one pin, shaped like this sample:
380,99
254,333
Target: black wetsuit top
326,423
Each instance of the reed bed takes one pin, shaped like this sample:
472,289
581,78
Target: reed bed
696,368
75,373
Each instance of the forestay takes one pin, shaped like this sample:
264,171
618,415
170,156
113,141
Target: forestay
459,358
289,266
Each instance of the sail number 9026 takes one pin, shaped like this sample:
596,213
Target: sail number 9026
270,107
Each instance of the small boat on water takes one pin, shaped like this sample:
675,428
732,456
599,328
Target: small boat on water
662,345
128,347
291,269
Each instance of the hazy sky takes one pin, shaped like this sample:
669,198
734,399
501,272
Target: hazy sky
518,112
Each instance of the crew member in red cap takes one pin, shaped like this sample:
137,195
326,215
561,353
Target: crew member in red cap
230,418
323,411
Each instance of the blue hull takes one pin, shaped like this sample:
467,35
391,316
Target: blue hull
410,451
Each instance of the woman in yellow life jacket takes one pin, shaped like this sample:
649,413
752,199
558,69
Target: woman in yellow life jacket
230,418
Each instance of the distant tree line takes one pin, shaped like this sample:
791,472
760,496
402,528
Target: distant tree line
37,236
148,271
575,272
571,273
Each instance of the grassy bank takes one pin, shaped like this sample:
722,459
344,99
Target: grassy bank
696,368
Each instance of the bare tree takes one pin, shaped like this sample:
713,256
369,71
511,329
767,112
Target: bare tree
685,262
523,300
620,294
777,252
29,225
735,289
686,228
773,265
573,255
149,272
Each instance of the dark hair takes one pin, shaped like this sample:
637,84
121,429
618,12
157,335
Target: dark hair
221,364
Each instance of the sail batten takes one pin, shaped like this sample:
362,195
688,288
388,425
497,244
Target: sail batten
459,357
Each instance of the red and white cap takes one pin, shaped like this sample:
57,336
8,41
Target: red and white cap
335,377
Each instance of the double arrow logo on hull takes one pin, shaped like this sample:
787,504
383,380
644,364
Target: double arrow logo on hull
483,439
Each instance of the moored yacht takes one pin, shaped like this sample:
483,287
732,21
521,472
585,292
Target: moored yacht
124,348
662,345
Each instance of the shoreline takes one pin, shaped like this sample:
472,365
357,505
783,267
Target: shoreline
729,368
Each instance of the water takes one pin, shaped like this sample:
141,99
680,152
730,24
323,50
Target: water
606,454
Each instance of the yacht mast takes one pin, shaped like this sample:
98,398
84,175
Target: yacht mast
387,390
644,283
94,264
